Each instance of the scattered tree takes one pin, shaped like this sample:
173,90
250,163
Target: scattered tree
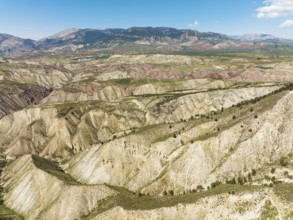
199,188
284,161
253,172
215,184
249,177
232,181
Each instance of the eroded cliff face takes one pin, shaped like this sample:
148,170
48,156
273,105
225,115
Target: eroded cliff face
191,154
37,188
60,130
16,96
121,139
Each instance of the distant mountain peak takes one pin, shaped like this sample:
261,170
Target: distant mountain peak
62,34
257,37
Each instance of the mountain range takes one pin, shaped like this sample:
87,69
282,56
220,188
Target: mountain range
260,38
140,39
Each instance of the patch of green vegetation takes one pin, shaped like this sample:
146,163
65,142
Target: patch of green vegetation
285,191
243,56
3,163
167,99
289,215
242,206
138,82
269,211
90,58
284,161
264,67
8,214
63,109
53,169
9,83
102,57
125,81
88,80
131,201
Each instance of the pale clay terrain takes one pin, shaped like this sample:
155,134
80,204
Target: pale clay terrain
105,124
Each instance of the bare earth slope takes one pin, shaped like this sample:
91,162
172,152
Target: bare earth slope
147,137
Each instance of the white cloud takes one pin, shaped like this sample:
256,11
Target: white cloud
275,9
287,24
194,24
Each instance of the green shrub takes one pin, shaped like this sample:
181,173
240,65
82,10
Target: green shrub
249,177
253,172
241,180
215,184
199,187
284,161
232,181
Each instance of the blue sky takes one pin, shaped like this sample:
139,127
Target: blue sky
40,18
